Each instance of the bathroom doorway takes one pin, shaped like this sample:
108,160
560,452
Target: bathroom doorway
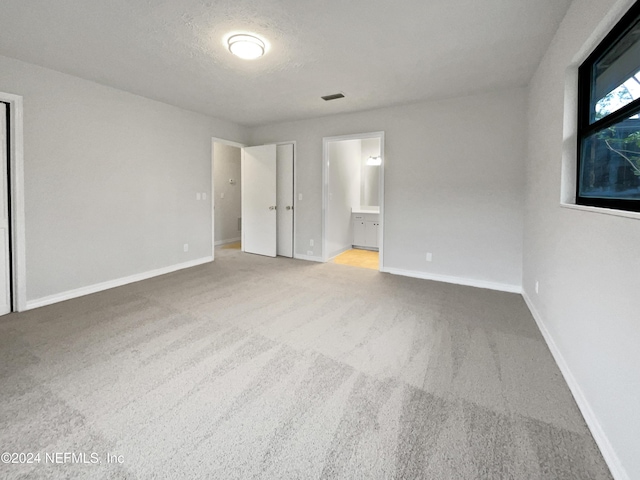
353,200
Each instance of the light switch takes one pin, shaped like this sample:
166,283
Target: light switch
198,196
204,196
222,195
299,196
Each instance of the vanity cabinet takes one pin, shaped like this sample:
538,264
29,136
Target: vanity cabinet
365,229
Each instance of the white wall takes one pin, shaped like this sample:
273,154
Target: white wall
226,166
370,174
110,180
454,178
344,193
587,263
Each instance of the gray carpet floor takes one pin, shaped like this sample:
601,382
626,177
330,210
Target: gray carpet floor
253,367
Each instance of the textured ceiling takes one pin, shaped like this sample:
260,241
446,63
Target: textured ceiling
378,53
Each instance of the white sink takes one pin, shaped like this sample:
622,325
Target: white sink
365,210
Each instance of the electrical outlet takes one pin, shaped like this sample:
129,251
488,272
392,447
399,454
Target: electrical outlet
537,287
311,242
186,247
310,253
429,257
222,195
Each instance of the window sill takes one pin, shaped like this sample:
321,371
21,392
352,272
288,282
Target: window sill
604,211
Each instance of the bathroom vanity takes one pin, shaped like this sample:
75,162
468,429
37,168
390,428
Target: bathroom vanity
366,223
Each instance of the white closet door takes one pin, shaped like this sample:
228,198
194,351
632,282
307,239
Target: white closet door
5,281
259,200
284,213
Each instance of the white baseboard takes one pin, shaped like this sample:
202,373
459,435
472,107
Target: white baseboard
503,287
370,249
308,258
608,453
338,252
98,287
225,242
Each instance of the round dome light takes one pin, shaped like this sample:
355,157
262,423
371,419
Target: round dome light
246,46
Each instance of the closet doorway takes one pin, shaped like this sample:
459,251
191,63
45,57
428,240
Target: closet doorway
13,291
353,200
5,217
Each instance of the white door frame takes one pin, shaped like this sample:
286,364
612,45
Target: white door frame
16,180
325,189
213,193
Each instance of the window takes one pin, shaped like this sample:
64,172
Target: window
609,120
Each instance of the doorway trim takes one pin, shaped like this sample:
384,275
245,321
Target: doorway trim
213,192
325,190
16,180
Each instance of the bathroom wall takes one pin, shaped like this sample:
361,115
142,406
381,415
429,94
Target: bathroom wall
344,193
370,175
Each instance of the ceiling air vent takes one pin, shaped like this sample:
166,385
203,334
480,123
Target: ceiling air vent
335,96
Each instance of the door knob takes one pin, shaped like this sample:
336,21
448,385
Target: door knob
289,208
272,208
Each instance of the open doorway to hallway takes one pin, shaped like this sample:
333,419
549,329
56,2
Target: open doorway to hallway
353,193
253,198
227,192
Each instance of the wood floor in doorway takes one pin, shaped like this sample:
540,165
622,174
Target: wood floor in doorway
359,258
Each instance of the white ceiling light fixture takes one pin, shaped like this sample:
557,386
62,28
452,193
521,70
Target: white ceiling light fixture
374,161
246,46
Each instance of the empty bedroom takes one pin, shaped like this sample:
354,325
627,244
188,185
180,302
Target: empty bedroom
189,193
